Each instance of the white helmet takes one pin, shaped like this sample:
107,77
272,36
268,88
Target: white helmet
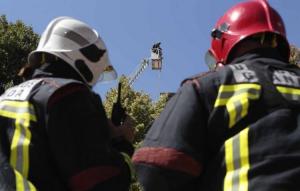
78,45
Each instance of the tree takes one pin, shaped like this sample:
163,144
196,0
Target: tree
295,55
16,41
140,107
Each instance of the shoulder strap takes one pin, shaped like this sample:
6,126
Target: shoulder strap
49,87
41,95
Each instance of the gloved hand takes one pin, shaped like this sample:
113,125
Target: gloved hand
125,130
123,136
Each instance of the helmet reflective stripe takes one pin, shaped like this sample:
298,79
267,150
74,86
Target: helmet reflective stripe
71,35
210,60
78,45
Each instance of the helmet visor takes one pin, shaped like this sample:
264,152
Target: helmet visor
210,60
108,74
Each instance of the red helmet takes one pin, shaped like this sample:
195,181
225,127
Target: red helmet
241,21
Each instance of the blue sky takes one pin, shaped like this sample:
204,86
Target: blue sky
130,27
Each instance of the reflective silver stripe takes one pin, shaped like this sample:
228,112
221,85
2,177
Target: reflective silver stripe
238,109
237,98
16,109
236,162
289,93
66,55
26,185
71,35
225,95
20,143
228,94
292,97
22,184
21,163
21,112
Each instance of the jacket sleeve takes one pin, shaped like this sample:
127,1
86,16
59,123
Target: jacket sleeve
171,157
79,140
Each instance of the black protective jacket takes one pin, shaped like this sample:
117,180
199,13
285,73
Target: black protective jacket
234,129
55,136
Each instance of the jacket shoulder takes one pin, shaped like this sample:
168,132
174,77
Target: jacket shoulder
195,79
54,89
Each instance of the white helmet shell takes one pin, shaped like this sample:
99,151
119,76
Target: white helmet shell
78,45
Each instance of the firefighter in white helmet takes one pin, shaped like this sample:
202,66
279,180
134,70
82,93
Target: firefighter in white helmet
58,135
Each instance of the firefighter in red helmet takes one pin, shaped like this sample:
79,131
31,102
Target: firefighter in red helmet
254,19
238,126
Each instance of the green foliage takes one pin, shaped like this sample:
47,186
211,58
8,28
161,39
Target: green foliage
295,55
135,187
159,105
16,41
138,105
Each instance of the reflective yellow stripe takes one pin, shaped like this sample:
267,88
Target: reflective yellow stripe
236,87
20,147
232,114
31,186
26,143
23,184
19,181
237,162
236,99
245,104
288,93
229,165
25,104
243,101
22,113
224,101
245,165
14,145
12,115
16,109
233,89
287,90
130,165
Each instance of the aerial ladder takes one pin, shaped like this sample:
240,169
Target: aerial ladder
118,112
155,60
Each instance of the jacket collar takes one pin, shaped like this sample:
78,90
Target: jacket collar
269,53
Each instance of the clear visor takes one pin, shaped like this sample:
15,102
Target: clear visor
108,74
210,60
